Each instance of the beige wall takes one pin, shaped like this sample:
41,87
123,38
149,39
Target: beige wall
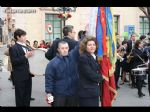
128,16
34,23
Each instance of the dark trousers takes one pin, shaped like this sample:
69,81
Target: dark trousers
23,92
12,78
117,72
133,80
65,101
89,102
139,83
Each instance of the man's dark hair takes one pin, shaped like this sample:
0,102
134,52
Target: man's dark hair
67,29
19,33
80,34
62,42
148,33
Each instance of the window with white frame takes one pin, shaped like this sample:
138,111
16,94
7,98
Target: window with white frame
53,27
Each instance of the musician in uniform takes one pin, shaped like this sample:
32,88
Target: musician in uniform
139,58
19,55
129,60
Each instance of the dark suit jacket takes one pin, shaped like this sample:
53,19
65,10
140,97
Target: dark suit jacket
136,60
20,63
51,53
89,76
129,46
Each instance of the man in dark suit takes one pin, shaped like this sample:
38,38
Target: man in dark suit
19,55
69,36
130,45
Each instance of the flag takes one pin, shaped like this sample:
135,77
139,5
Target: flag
99,35
107,53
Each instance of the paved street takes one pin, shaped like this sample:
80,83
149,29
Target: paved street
126,95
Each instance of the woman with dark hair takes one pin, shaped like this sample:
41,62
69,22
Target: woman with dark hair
42,44
139,58
89,75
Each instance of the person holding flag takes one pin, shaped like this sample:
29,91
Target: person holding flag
89,74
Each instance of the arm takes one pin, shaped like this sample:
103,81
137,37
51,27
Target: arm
49,78
75,52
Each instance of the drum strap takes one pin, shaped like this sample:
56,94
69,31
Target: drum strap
141,59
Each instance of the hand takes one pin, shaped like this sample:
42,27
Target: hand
49,98
29,54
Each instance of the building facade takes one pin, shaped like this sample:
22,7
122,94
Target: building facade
42,23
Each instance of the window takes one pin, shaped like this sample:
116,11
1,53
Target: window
56,24
116,22
144,26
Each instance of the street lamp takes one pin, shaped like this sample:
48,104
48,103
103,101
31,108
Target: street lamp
64,12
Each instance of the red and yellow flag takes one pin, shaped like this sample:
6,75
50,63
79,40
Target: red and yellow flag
106,53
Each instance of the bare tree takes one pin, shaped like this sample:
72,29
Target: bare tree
146,11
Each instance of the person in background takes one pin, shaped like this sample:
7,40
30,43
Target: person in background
139,58
9,68
42,44
49,44
143,40
130,45
69,37
35,44
81,34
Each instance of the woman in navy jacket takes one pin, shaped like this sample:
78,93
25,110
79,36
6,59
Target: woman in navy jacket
89,76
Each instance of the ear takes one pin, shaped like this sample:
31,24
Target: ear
58,49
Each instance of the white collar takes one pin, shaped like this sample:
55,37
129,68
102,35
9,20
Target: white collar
94,56
22,43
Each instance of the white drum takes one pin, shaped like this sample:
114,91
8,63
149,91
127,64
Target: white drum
38,62
139,71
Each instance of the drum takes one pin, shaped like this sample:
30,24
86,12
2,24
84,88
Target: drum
38,62
140,71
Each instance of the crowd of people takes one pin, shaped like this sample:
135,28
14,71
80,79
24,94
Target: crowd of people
72,76
133,54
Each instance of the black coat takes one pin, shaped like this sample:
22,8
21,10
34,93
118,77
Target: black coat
137,53
89,77
129,46
20,64
51,53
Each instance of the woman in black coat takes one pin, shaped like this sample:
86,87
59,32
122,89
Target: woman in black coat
89,76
